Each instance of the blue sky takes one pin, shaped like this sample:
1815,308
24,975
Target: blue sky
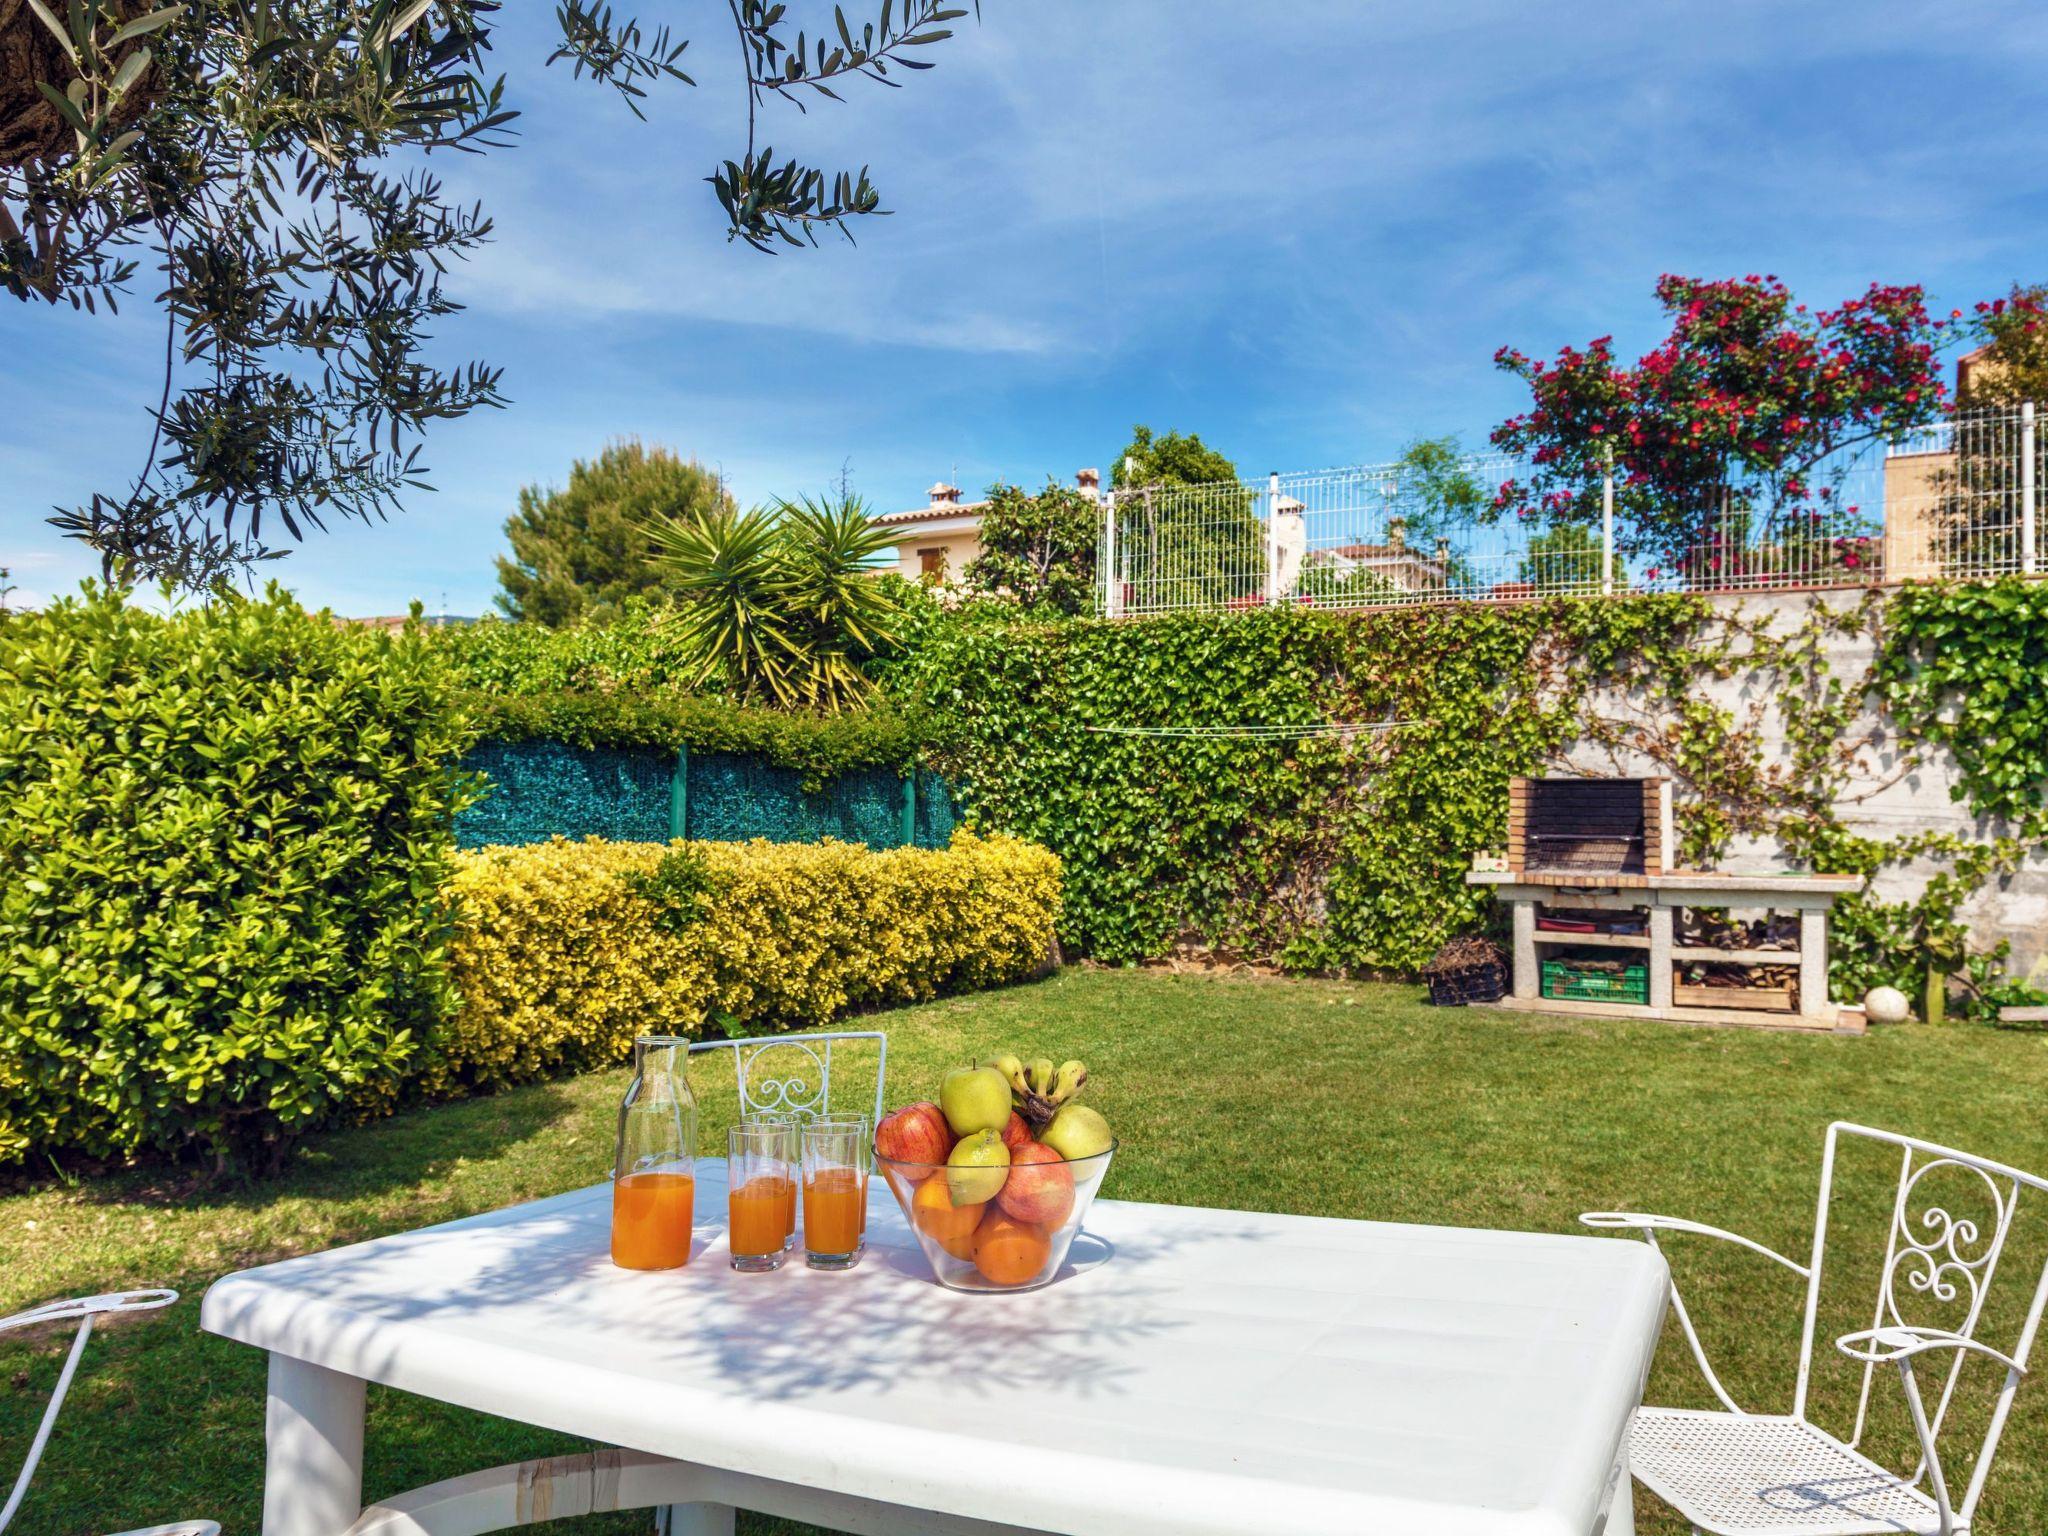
1303,240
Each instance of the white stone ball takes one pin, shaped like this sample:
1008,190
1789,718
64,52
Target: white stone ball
1885,1005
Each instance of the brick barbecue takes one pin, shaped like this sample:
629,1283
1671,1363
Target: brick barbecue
1589,826
1602,848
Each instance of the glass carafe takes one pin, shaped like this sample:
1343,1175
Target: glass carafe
654,1182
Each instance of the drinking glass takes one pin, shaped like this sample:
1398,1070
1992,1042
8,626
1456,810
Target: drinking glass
836,1159
866,1128
784,1128
760,1181
654,1182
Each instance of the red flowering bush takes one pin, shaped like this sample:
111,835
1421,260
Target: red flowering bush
2015,330
1744,406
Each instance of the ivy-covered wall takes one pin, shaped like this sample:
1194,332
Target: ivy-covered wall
1800,731
1327,852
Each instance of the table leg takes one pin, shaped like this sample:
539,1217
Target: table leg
313,1450
694,1520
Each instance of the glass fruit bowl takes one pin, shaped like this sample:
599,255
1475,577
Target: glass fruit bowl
996,1229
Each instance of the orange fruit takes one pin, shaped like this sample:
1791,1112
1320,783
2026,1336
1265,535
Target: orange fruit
1010,1252
950,1226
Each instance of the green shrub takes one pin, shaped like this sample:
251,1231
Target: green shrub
226,834
568,950
636,650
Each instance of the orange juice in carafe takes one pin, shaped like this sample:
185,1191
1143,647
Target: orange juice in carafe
651,1214
654,1183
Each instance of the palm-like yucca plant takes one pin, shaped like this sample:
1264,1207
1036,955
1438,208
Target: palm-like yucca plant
842,612
734,598
780,601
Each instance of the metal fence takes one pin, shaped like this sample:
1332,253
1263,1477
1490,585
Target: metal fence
1958,500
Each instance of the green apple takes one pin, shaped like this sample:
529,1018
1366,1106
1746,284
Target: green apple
1077,1132
974,1099
978,1168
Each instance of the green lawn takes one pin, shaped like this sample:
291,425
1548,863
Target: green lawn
1338,1099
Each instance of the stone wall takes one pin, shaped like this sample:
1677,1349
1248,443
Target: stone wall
1884,800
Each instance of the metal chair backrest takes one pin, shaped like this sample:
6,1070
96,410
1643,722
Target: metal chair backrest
81,1310
792,1074
1938,1250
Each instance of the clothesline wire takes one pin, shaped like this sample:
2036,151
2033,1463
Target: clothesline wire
1252,732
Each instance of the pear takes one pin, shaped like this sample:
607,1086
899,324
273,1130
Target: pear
975,1099
978,1168
1077,1132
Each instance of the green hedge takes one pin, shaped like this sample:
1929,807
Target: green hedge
630,653
1325,854
570,949
226,834
819,747
622,685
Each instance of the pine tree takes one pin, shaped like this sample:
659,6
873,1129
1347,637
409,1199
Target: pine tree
580,552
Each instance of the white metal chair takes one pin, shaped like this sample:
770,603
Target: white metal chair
792,1074
1744,1474
83,1310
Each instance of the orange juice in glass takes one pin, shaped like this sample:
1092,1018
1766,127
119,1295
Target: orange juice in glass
835,1169
760,1195
788,1194
785,1127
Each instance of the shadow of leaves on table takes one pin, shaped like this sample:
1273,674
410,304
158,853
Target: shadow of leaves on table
886,1332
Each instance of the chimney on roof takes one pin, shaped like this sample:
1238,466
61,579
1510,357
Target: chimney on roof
944,495
1397,534
1089,482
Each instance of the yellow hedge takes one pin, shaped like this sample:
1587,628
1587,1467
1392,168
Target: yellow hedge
560,961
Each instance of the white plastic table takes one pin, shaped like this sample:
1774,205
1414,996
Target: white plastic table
1197,1371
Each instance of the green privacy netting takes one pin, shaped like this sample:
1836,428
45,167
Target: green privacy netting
541,789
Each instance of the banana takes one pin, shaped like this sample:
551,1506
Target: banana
1013,1073
1072,1075
1040,1075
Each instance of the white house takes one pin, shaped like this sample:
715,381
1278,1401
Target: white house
935,542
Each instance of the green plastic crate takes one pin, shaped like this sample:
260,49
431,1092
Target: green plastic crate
1562,979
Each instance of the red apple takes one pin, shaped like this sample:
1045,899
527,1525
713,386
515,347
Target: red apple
1016,1133
1040,1190
916,1133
